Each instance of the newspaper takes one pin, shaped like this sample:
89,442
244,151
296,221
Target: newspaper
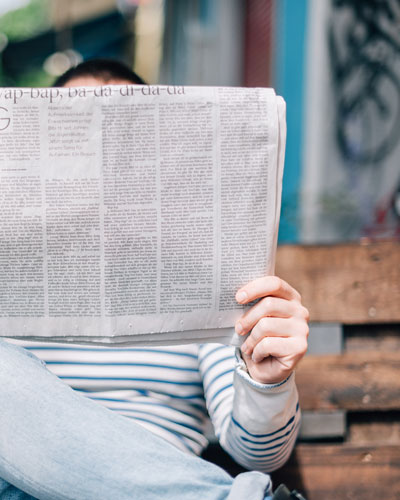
132,214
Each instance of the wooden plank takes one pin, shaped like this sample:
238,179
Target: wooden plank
347,283
373,428
363,433
350,381
332,472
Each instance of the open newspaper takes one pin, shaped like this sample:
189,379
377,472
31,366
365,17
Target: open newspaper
132,214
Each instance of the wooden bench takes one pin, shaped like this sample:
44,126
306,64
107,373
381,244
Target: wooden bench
349,383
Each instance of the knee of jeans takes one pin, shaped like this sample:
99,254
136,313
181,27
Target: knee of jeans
11,354
21,375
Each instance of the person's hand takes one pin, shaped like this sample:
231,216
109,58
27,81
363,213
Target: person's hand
278,327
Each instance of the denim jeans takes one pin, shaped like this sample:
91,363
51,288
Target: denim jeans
57,444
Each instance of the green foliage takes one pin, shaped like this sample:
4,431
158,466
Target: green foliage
26,21
34,78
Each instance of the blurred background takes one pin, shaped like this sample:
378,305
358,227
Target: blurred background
336,63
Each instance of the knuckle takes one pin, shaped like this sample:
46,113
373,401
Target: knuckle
268,303
265,344
303,346
301,328
249,346
276,282
306,313
253,339
297,297
257,351
244,322
305,330
302,312
264,324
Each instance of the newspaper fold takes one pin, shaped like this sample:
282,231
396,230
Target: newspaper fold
132,214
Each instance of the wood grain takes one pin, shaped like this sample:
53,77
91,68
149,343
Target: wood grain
368,433
350,381
345,472
347,283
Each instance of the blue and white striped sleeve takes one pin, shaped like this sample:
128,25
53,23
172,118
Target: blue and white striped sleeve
257,424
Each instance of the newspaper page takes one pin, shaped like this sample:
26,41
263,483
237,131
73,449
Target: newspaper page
132,214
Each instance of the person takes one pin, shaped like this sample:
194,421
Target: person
89,422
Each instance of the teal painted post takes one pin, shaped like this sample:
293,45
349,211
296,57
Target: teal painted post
291,25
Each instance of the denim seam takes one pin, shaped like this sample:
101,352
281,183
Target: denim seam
32,483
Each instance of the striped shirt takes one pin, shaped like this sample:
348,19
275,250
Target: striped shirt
173,391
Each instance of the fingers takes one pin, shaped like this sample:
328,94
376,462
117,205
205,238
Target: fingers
277,325
287,351
267,285
274,359
274,327
269,306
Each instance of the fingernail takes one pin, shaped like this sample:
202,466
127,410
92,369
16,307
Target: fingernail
244,348
241,296
239,328
254,358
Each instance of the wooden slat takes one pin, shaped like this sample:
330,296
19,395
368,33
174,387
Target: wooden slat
368,433
349,283
333,472
350,381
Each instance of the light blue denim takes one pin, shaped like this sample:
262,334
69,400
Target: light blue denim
56,444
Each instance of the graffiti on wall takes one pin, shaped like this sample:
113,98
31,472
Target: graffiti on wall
364,52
